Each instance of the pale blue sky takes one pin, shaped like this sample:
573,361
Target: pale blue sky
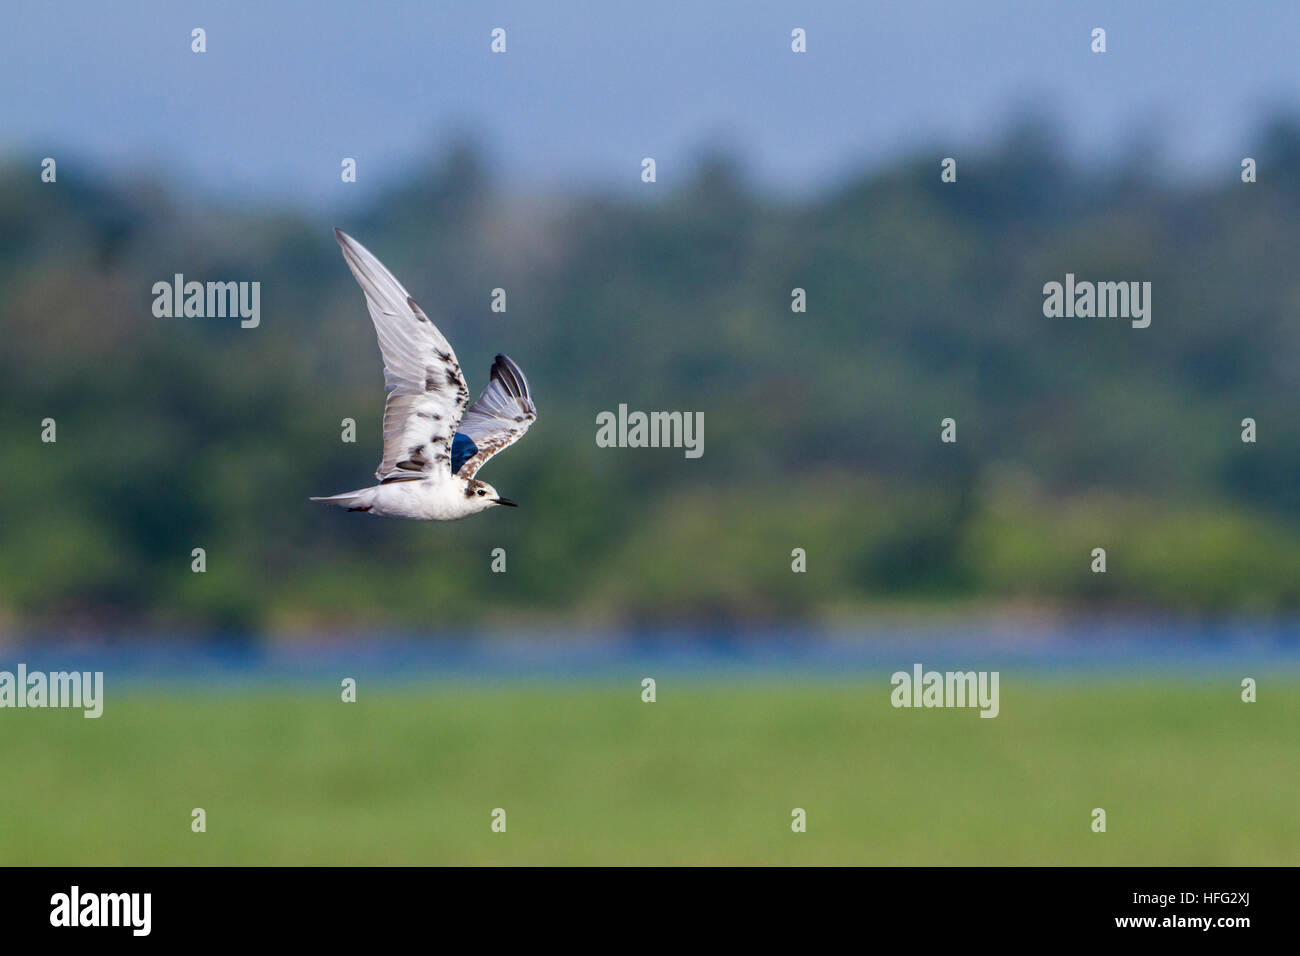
586,89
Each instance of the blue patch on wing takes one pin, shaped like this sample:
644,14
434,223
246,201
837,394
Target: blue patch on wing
462,450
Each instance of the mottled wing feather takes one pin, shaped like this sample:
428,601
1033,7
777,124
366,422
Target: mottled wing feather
426,390
499,417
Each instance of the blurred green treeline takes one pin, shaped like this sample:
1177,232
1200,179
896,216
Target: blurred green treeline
924,301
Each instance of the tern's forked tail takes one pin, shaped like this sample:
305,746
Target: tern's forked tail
362,500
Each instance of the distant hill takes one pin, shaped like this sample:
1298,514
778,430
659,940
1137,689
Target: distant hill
924,301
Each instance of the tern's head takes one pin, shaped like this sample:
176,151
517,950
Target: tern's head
483,496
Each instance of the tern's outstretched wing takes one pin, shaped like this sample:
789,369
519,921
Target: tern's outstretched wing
426,390
498,418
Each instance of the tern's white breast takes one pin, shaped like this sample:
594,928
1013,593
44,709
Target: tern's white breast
428,500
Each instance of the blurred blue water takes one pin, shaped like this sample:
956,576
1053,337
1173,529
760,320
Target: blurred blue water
1141,649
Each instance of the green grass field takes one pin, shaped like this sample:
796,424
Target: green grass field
1187,773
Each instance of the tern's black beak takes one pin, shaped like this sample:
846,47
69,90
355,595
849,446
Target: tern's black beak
506,501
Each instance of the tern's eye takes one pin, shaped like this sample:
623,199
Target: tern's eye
481,492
